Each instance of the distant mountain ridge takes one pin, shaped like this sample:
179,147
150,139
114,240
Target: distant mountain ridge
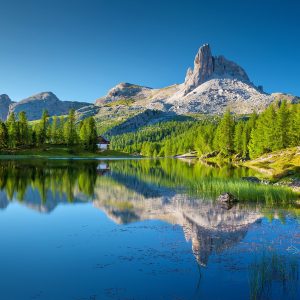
36,104
210,87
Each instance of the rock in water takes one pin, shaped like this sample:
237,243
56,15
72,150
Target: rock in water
226,198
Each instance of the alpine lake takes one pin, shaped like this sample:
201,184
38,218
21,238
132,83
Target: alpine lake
144,229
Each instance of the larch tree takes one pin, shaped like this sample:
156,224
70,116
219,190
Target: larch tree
24,136
43,128
225,134
238,137
70,129
281,127
3,136
12,129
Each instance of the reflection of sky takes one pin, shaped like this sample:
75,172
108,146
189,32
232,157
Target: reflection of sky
136,238
77,251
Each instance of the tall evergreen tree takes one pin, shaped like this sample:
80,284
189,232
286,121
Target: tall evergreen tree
92,132
12,129
43,128
263,137
60,131
3,136
238,138
70,129
225,133
84,134
54,131
294,126
281,127
24,136
248,127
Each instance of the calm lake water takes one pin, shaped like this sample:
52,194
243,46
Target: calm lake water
143,229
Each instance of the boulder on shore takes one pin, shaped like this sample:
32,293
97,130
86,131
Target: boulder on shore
251,179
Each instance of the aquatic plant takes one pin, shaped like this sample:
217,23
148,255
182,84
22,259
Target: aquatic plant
270,270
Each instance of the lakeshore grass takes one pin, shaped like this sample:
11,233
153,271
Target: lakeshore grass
59,151
244,191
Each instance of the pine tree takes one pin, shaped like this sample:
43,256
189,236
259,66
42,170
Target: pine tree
238,137
168,148
294,126
3,136
24,137
281,127
60,131
269,128
263,137
54,131
92,132
34,138
248,127
12,130
83,134
225,133
43,128
70,129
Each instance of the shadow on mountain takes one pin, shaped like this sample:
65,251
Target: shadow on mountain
147,117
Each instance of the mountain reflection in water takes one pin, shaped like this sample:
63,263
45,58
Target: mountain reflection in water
130,191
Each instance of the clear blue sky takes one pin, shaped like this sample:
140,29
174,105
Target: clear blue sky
80,49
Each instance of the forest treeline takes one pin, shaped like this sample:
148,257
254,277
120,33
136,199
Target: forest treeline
17,132
276,128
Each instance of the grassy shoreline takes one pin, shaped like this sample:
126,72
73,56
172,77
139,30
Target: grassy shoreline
278,168
60,152
277,164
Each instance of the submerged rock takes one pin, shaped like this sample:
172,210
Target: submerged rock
227,198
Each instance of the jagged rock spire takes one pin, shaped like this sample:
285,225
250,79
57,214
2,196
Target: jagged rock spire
203,69
207,66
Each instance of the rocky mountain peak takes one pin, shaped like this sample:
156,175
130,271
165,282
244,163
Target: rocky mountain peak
5,98
43,96
36,104
5,102
207,66
122,91
203,69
